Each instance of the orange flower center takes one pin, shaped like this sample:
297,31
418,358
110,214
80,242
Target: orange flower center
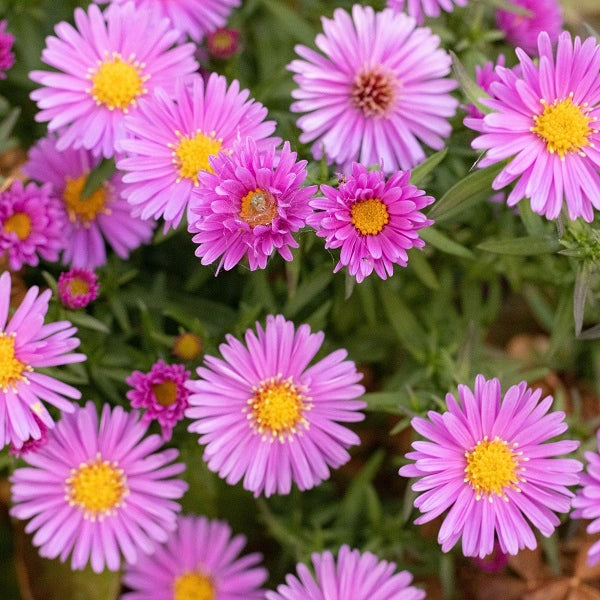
374,92
20,224
369,216
165,392
259,207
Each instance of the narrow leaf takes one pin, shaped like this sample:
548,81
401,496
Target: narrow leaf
593,333
7,126
509,6
442,242
582,286
420,172
291,21
96,179
472,91
420,265
522,246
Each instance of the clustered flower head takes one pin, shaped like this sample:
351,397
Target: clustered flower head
77,288
7,57
162,392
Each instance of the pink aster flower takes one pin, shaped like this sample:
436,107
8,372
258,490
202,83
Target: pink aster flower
31,225
103,73
26,345
485,76
193,17
32,444
223,42
523,31
250,206
587,501
77,288
200,560
377,93
425,8
354,575
103,216
171,142
372,220
267,417
486,461
7,58
544,122
97,489
162,392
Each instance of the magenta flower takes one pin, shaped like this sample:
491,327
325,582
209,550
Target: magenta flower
250,206
377,93
544,122
223,42
587,501
171,142
162,392
193,17
7,57
486,461
103,216
425,8
32,223
485,76
97,489
266,417
103,73
32,444
355,575
494,562
77,288
523,31
199,561
372,220
26,344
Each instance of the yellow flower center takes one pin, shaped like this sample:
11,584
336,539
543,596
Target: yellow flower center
564,126
187,346
19,223
118,83
259,207
373,92
165,392
193,586
11,368
276,409
369,216
79,287
98,487
82,210
222,40
492,466
191,154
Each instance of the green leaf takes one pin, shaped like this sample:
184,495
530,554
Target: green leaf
7,126
312,285
582,286
420,265
383,402
291,21
509,6
522,246
420,173
475,187
442,242
472,91
81,319
593,333
96,179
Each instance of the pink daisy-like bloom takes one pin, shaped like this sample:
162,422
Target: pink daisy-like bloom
200,561
545,122
587,501
162,393
250,206
372,220
379,91
31,225
486,461
267,417
97,489
32,444
419,9
356,575
196,18
7,57
103,73
103,216
484,77
523,30
77,288
26,344
171,142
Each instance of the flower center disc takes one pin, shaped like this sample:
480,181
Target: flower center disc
20,224
193,586
165,392
187,346
81,210
11,368
374,92
118,83
259,207
369,216
79,287
191,154
277,408
98,487
564,127
491,467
